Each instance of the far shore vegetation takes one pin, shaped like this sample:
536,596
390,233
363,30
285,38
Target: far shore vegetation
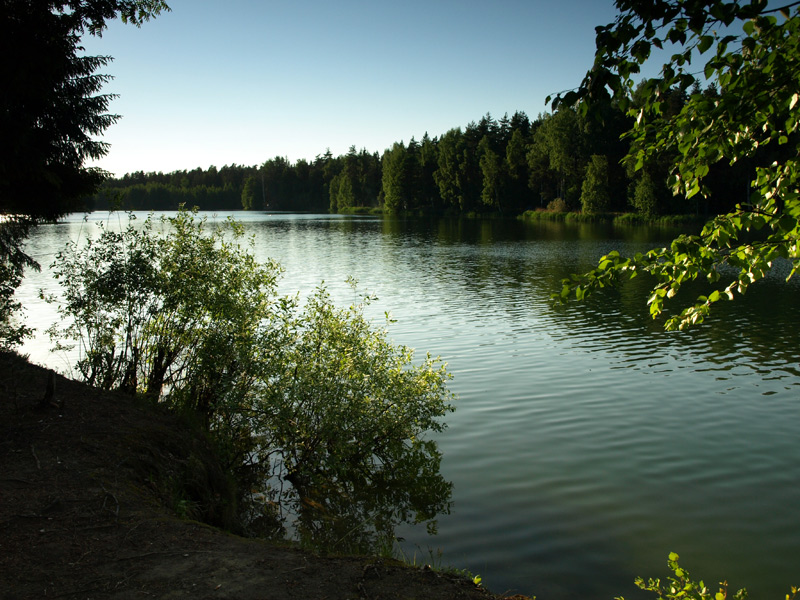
563,162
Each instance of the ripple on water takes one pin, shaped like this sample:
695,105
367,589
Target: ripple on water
588,443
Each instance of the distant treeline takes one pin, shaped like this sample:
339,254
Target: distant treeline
561,161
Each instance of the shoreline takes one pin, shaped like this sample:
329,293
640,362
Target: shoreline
84,511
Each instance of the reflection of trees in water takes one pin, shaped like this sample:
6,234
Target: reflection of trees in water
757,331
354,511
512,268
360,514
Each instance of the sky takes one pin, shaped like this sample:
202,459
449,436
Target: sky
238,81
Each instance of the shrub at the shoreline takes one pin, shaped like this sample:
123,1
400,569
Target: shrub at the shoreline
312,407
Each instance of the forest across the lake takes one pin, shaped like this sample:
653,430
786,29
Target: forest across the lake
565,161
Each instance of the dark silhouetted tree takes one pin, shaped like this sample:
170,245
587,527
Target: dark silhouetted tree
51,111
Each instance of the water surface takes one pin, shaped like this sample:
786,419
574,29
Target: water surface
587,442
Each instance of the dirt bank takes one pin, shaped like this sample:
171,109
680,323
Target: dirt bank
83,512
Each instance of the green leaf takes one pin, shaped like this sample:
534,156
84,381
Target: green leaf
705,43
684,140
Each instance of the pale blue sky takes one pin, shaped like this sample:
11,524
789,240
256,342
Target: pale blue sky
239,81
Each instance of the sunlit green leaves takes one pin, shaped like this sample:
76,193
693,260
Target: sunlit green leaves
352,410
753,119
679,585
705,43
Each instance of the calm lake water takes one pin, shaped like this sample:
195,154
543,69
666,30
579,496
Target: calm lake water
587,443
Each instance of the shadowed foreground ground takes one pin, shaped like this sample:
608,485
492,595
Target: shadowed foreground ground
83,495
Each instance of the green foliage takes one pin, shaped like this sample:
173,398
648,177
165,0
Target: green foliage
518,195
276,184
311,404
398,178
249,193
680,585
450,175
595,196
645,199
358,182
507,166
559,139
351,411
147,312
753,121
494,175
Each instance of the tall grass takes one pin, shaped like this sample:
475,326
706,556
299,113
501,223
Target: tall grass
613,218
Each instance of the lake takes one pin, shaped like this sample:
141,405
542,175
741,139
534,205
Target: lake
587,443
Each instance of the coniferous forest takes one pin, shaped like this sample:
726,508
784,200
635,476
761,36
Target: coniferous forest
563,161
